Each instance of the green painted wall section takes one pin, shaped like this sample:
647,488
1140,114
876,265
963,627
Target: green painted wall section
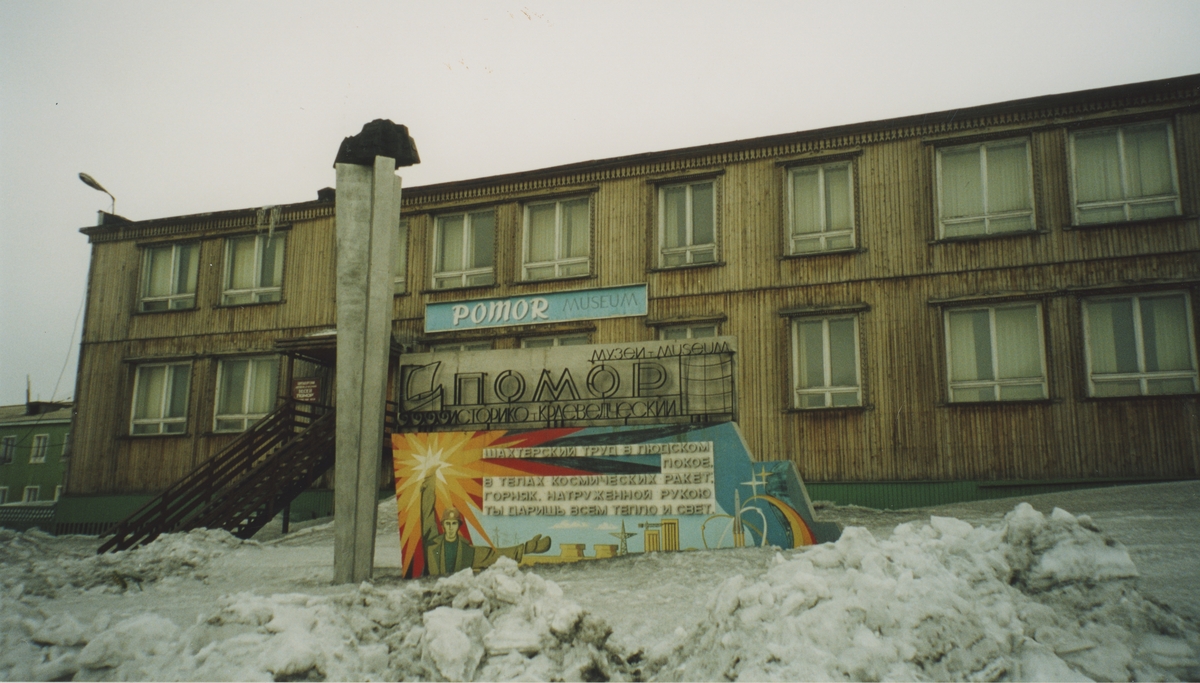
92,514
919,494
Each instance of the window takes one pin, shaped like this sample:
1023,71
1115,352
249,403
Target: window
459,346
38,454
464,250
557,238
687,331
3,495
58,492
825,362
1125,173
1141,345
821,208
246,390
400,259
253,269
996,353
985,189
8,448
169,277
160,398
32,493
687,220
547,342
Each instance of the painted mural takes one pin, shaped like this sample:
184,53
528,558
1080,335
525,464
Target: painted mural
467,498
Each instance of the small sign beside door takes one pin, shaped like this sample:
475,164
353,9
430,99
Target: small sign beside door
306,390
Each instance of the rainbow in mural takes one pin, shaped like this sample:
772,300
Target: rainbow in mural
465,499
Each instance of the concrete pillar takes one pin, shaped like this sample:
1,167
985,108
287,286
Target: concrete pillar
368,216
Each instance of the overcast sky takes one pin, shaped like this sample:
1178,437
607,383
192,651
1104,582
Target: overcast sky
182,108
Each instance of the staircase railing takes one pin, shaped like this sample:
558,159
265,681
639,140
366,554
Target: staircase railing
184,501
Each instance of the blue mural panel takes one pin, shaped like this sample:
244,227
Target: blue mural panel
465,499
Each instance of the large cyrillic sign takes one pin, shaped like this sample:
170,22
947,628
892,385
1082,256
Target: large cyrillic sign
533,309
689,380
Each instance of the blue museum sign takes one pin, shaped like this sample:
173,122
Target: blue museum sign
532,309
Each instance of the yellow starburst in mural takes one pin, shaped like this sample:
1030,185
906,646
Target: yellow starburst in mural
452,461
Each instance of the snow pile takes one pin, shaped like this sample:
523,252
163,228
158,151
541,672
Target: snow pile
1035,599
37,563
503,624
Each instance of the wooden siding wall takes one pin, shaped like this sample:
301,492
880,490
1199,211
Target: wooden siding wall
116,338
906,430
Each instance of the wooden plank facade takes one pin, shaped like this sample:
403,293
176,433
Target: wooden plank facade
898,282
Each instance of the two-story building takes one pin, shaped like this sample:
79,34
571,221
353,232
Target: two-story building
958,304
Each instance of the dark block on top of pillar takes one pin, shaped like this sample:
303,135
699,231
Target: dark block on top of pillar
380,138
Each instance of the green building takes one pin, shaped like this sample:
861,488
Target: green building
34,440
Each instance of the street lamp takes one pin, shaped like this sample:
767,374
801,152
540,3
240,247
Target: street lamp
91,182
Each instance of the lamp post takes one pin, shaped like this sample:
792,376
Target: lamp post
91,182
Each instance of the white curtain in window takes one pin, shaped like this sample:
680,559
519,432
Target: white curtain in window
675,217
970,346
1097,166
541,233
838,212
450,249
702,214
1008,179
241,263
272,261
483,242
265,378
234,374
1148,161
842,350
158,271
152,382
811,353
1018,348
806,208
576,217
1111,337
1165,335
189,265
962,183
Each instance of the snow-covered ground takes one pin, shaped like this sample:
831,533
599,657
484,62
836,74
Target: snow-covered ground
983,591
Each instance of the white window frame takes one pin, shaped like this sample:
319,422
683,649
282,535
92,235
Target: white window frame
995,384
987,216
258,294
8,449
827,390
58,489
1125,202
32,494
175,301
559,262
400,259
559,340
37,453
245,418
164,422
822,236
452,279
1141,376
690,249
689,331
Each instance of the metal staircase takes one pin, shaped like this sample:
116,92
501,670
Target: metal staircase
245,485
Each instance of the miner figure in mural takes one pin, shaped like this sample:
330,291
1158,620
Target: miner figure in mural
448,552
